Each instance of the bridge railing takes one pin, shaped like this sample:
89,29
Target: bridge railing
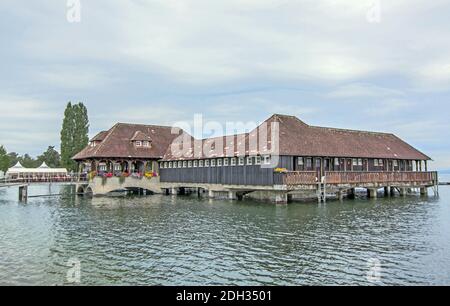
72,178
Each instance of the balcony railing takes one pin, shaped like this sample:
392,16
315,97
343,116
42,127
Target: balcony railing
300,178
337,177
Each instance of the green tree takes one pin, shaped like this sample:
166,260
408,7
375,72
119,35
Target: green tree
51,157
28,162
13,158
4,159
74,133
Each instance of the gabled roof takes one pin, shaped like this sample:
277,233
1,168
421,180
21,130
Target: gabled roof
117,142
140,136
100,136
297,138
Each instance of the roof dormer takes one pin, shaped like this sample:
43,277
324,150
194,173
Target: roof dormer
141,140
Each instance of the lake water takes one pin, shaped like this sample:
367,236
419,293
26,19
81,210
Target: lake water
165,240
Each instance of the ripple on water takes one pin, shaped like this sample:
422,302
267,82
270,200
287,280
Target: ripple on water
187,241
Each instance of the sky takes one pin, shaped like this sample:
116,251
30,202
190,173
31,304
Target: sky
359,64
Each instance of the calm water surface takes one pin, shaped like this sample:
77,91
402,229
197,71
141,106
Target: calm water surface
187,241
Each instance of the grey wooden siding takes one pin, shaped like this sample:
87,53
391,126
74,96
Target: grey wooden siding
229,175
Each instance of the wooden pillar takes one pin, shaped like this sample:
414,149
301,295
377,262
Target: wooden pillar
403,191
424,191
387,191
23,193
232,195
426,166
372,193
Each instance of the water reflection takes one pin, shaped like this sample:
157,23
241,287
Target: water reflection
186,241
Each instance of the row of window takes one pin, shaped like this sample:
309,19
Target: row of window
217,162
355,162
144,143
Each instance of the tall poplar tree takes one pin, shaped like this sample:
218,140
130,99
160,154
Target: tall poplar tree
74,133
4,159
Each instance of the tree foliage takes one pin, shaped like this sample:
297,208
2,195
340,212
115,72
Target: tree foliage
4,159
74,133
51,157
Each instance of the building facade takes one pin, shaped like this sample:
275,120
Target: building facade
283,154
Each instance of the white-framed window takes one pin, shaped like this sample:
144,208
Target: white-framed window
309,162
201,163
219,162
213,162
375,162
170,165
180,164
360,162
355,162
195,164
300,161
233,161
138,143
380,163
241,161
117,167
249,160
336,162
190,164
146,143
266,160
258,160
166,164
395,163
102,167
207,163
185,164
226,162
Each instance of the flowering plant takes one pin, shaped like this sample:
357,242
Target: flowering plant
281,170
108,175
91,175
150,174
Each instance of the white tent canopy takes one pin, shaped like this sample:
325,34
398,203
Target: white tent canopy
41,170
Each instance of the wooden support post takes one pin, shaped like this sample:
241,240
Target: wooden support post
174,191
281,198
351,193
211,193
387,191
423,191
23,193
372,192
341,195
232,195
402,191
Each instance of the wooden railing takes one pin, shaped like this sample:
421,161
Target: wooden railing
300,178
380,177
55,179
336,177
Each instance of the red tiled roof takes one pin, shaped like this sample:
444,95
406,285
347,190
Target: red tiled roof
117,142
296,138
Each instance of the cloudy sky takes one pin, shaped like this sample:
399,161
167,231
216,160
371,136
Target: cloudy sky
359,64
